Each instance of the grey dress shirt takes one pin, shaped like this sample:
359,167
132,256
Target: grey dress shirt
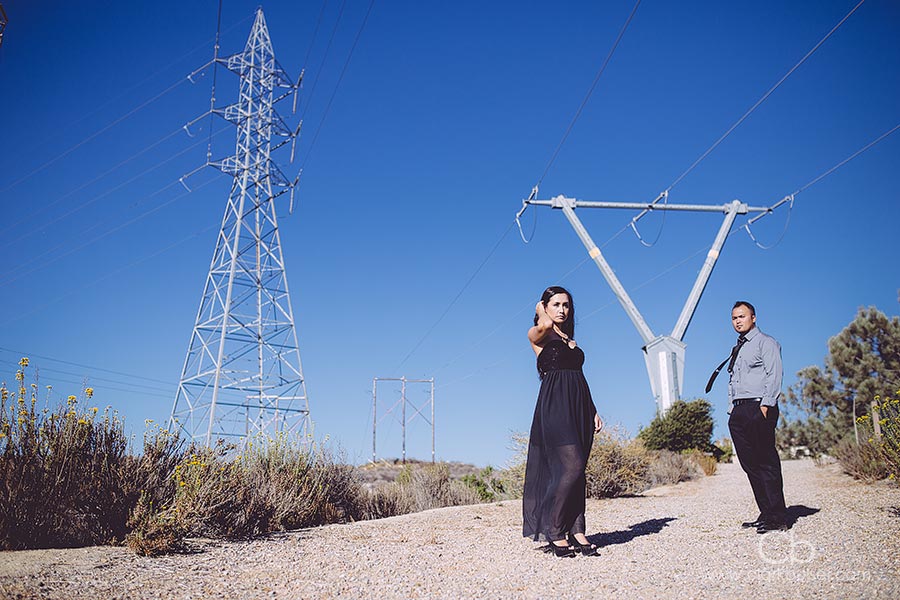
757,371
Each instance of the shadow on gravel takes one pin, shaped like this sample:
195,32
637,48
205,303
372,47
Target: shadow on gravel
637,530
797,511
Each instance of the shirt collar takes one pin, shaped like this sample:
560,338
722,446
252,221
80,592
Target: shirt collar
752,333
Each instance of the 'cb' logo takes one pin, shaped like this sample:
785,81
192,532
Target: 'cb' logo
778,548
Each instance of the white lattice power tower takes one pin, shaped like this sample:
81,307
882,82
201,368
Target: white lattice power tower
242,375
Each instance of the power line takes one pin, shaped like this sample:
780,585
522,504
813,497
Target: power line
848,159
589,93
93,136
53,250
315,34
790,197
115,229
108,274
337,85
95,180
763,98
22,353
456,297
169,391
312,90
69,124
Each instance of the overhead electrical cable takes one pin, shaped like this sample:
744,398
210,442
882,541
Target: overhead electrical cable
31,355
70,123
763,98
665,194
589,93
93,136
95,180
114,229
312,90
212,96
70,291
155,388
83,205
456,297
315,34
787,199
534,190
337,85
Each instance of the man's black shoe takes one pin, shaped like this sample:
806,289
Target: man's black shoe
772,526
756,524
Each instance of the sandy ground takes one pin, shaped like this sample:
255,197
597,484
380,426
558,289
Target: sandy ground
681,541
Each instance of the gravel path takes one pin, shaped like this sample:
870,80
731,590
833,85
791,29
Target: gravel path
681,541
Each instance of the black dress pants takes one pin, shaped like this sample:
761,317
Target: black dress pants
754,441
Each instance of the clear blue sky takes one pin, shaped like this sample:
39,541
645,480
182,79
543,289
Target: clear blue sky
445,119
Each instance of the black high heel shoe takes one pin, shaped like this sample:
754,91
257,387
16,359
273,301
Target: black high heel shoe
585,549
560,551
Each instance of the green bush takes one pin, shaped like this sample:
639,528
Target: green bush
489,484
685,426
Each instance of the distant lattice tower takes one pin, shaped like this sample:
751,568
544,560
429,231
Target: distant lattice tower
242,374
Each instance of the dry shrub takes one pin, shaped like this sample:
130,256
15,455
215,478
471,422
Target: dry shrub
153,532
706,462
61,472
617,466
620,466
421,488
887,412
862,461
389,500
514,474
668,467
273,485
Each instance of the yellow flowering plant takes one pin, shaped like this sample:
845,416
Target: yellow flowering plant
887,411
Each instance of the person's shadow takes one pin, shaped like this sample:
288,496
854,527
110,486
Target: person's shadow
611,538
798,511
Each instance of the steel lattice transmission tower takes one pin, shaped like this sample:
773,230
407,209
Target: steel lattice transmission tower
242,375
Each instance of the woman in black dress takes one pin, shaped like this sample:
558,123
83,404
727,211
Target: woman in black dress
565,421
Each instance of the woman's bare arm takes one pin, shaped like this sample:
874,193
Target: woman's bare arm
538,334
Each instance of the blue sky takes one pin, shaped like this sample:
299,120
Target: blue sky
445,119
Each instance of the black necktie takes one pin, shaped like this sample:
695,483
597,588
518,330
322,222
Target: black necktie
730,360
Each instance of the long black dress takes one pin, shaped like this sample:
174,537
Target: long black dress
561,436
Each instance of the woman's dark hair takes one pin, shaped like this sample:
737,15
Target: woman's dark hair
568,326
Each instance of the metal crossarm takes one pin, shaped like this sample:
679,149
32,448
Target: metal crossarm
663,354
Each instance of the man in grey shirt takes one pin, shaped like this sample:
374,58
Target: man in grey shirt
753,390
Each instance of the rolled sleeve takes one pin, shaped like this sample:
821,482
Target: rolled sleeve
772,367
